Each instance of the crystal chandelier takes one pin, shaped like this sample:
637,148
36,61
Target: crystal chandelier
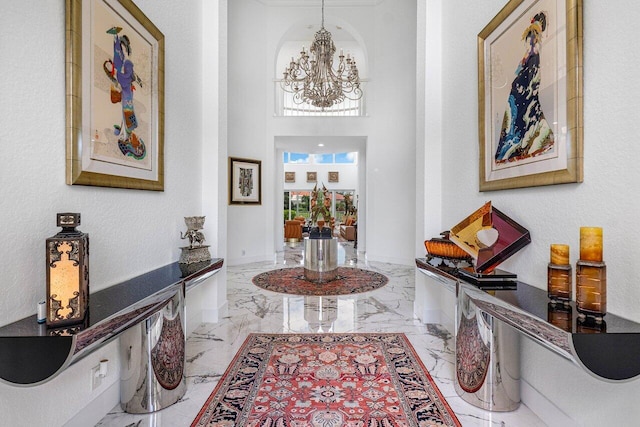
313,79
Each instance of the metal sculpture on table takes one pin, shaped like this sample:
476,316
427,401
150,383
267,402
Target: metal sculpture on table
196,252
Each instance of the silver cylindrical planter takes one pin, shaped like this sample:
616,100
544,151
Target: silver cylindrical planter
152,356
320,259
487,358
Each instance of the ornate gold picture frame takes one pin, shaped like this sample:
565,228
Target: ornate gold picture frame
114,95
530,95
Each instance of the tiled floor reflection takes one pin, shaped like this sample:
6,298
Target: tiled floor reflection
388,309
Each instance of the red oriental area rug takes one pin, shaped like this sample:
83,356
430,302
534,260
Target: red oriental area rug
328,380
348,280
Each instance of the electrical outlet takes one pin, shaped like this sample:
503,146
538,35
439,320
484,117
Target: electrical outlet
96,379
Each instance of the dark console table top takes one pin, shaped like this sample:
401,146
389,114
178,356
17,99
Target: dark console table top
607,350
31,353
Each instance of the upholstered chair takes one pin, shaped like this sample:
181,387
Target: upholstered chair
293,230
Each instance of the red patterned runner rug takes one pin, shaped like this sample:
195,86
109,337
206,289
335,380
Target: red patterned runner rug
327,380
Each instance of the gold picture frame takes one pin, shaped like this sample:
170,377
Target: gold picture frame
312,176
290,177
531,47
334,176
114,96
245,181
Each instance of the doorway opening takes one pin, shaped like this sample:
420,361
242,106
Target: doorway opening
337,163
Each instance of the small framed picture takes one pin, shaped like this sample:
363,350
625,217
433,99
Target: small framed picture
334,176
290,177
312,176
245,182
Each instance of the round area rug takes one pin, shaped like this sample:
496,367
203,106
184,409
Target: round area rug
292,281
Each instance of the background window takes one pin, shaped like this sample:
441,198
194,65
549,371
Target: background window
295,158
345,157
323,158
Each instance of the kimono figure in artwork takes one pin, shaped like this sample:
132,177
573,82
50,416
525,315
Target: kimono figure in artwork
525,132
120,72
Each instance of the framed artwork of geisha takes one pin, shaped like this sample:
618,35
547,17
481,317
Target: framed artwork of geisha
115,96
530,95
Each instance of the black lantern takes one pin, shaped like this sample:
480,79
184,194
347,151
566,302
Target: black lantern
67,273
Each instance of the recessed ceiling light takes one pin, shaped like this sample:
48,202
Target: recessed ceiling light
321,145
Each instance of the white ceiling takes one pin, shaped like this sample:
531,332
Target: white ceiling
327,3
307,30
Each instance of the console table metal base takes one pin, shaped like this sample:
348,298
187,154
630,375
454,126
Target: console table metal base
487,358
153,358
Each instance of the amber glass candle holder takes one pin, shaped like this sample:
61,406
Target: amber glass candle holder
559,275
591,288
591,275
559,283
560,316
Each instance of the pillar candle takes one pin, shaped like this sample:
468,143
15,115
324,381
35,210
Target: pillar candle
560,254
591,244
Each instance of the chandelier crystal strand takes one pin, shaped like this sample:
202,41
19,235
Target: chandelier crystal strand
313,80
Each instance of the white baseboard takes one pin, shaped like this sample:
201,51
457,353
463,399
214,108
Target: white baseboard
388,259
96,410
206,315
549,413
214,315
427,316
434,316
448,323
247,260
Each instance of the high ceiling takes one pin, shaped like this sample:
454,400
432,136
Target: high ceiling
307,31
327,3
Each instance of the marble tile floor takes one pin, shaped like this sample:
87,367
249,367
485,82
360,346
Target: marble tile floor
211,347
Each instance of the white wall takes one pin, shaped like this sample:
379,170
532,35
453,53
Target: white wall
347,173
131,231
606,198
428,123
388,30
214,149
